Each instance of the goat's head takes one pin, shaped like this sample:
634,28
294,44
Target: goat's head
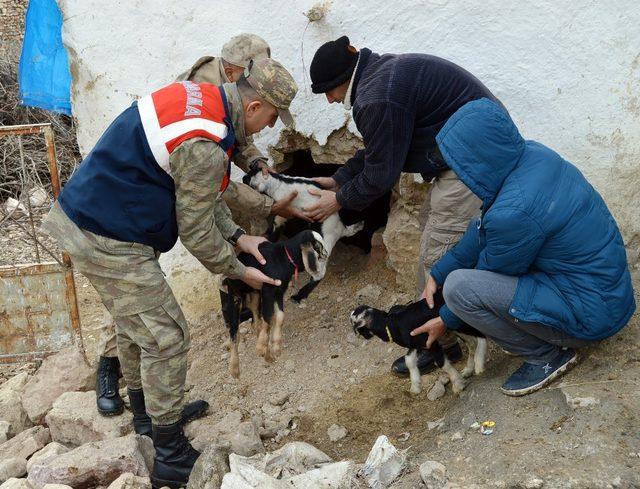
368,321
255,179
314,254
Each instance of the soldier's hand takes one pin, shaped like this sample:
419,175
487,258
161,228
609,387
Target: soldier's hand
327,183
250,244
264,166
285,208
435,328
254,278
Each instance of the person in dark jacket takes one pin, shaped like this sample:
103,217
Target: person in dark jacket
400,103
543,270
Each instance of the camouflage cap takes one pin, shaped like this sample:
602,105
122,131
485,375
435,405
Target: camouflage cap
273,83
241,49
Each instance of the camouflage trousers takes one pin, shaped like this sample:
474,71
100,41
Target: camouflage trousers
449,207
151,330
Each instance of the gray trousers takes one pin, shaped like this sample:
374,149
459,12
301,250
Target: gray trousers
482,300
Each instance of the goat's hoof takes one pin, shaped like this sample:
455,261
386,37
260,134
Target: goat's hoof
479,370
296,299
227,345
415,390
276,350
458,387
262,350
467,372
269,357
235,372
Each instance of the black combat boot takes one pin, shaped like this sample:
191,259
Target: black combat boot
107,396
174,456
426,362
142,421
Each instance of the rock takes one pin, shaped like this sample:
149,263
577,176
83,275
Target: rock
145,445
279,398
433,474
575,402
370,292
25,444
270,410
437,391
456,436
210,468
5,429
56,486
245,440
74,420
130,481
295,458
12,467
243,437
11,410
94,464
535,483
384,464
438,423
468,420
338,474
336,432
63,372
50,451
401,236
14,483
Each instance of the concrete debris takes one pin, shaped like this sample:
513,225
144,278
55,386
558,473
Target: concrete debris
66,371
11,410
535,483
74,420
50,451
15,483
438,423
383,465
25,444
243,437
94,464
437,391
130,481
210,468
370,292
296,465
433,474
12,467
336,432
5,428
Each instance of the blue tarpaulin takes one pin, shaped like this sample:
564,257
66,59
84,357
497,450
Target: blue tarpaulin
44,77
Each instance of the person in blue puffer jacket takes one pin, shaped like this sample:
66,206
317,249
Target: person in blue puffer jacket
543,269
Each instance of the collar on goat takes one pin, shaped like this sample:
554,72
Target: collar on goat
389,333
295,265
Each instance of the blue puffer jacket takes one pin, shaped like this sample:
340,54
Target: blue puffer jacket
542,221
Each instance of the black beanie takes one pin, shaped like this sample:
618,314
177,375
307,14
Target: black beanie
332,65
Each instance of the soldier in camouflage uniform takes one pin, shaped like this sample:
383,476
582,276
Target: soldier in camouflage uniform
94,219
250,209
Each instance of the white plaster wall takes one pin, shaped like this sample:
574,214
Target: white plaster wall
569,72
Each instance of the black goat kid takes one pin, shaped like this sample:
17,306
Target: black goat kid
395,326
284,260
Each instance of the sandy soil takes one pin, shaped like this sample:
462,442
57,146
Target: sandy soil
332,376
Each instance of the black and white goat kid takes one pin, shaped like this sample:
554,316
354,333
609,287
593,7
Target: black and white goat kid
396,325
284,260
278,186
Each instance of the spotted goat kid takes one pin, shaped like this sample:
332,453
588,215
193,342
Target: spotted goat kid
396,325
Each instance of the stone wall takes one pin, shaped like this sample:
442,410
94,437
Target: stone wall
12,13
569,73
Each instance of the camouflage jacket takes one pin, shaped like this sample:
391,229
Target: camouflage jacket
210,70
204,221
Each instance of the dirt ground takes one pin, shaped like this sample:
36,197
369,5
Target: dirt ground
332,376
